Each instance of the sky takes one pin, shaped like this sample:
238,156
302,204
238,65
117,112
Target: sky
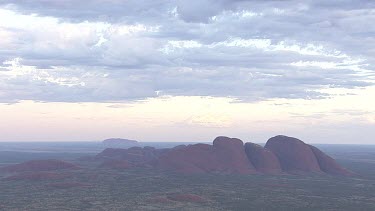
174,70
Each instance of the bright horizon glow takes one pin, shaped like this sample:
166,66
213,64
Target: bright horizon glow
196,119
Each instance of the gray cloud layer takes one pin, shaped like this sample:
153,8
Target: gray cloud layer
98,50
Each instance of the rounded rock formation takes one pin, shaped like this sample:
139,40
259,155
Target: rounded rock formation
294,155
226,155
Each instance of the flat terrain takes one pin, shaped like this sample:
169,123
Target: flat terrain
93,188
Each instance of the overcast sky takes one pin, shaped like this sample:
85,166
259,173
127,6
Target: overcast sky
165,70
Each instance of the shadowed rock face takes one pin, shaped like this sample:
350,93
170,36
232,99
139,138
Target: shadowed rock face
134,155
226,155
40,165
231,153
114,153
264,160
294,155
328,164
195,158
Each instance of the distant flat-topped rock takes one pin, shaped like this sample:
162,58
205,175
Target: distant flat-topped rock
120,142
40,165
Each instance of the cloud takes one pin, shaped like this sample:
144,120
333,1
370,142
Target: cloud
94,51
